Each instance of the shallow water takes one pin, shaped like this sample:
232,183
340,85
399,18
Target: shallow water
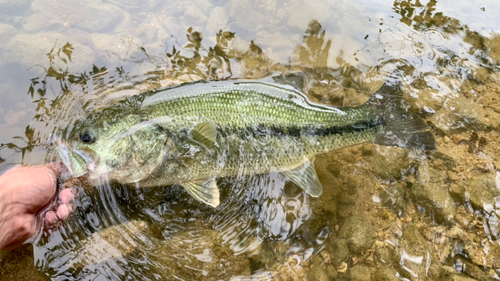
386,213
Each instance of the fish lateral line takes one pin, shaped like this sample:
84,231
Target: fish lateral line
194,133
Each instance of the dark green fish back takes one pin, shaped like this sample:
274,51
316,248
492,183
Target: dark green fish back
242,104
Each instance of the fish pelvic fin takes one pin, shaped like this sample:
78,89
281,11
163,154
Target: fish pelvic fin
204,191
402,128
305,177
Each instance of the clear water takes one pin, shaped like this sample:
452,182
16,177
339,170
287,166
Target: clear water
385,212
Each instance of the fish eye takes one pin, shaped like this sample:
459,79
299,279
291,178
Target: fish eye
87,136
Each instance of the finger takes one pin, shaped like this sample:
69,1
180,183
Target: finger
67,195
53,170
41,186
56,167
51,217
64,210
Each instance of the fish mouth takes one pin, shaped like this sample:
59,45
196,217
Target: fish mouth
76,161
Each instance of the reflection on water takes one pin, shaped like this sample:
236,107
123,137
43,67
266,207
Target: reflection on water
160,233
386,213
116,230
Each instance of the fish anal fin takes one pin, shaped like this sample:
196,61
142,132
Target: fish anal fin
306,178
204,191
205,133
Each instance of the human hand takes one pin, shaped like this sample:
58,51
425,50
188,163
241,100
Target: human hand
24,192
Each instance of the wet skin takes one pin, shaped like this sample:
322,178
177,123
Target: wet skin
25,195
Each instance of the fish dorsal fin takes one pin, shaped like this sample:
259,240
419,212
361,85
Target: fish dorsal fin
296,80
205,133
204,191
306,178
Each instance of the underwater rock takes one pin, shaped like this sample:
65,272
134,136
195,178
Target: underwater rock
386,255
457,191
435,197
494,44
88,15
367,149
346,205
331,271
305,11
195,15
116,48
388,162
268,254
428,101
481,190
317,273
353,98
332,187
414,252
111,243
114,235
385,273
216,20
18,265
470,269
339,252
7,31
394,197
13,6
431,193
31,49
200,251
135,5
42,22
458,277
335,168
7,3
462,114
360,273
358,231
413,241
495,252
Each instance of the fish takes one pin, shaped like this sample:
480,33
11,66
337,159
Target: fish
192,134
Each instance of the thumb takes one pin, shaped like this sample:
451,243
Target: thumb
46,182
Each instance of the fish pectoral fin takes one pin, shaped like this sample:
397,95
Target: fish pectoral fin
205,133
204,191
306,178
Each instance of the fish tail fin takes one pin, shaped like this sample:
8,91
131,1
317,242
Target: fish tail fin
401,127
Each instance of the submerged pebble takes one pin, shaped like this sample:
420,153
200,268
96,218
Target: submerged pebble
358,232
339,251
92,17
432,194
385,273
481,190
317,273
31,49
360,273
389,162
435,198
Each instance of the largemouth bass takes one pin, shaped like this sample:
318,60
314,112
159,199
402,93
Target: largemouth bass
194,133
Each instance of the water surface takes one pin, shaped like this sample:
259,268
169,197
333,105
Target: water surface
385,212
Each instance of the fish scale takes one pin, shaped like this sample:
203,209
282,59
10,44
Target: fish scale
194,133
241,103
